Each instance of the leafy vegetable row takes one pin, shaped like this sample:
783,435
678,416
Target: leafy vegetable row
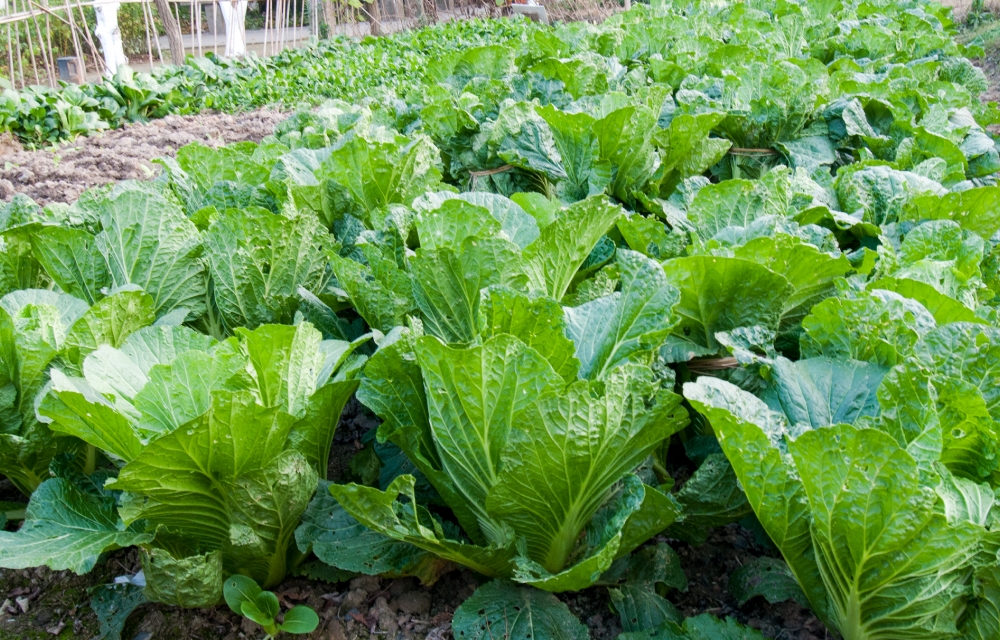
749,245
336,68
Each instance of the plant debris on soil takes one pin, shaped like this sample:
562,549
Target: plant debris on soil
61,175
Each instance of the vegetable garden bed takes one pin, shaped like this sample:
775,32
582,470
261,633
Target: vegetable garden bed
683,325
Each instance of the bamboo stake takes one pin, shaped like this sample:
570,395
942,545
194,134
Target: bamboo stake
149,42
31,54
197,5
52,57
98,59
156,34
20,62
215,28
10,53
267,15
46,55
73,31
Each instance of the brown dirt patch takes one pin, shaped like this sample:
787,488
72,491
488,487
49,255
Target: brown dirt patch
61,175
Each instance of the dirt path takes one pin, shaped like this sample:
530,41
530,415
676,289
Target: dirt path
61,175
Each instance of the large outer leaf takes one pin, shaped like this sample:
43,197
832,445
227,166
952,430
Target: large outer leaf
362,175
312,435
553,259
19,266
522,139
720,294
819,392
624,139
66,528
384,513
518,225
76,409
475,398
811,273
944,308
879,326
258,260
154,345
147,241
287,363
189,581
629,324
969,352
561,465
222,481
33,328
382,293
732,203
393,387
452,222
752,437
110,321
72,260
974,209
687,149
869,514
577,144
711,497
537,321
44,325
501,611
447,282
883,562
342,542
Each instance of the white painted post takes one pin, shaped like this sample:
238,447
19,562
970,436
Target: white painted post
111,37
234,13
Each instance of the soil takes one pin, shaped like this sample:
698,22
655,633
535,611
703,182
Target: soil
60,175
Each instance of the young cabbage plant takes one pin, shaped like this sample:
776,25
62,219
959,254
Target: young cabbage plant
887,536
41,329
247,599
467,242
530,430
218,447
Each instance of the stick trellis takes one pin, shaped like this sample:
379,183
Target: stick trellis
32,52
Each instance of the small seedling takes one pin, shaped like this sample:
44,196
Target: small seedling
247,599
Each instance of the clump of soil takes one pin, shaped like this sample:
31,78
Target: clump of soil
123,154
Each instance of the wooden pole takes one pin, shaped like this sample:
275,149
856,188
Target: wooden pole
173,28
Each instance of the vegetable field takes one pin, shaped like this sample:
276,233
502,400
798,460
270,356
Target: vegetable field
596,297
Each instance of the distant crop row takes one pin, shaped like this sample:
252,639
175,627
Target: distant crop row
753,245
338,68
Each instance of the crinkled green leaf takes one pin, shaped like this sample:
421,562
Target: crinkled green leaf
768,578
147,241
818,392
341,541
554,258
66,528
500,609
476,399
720,294
72,260
258,260
571,450
193,581
628,325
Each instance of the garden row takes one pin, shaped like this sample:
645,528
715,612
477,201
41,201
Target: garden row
753,245
336,68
